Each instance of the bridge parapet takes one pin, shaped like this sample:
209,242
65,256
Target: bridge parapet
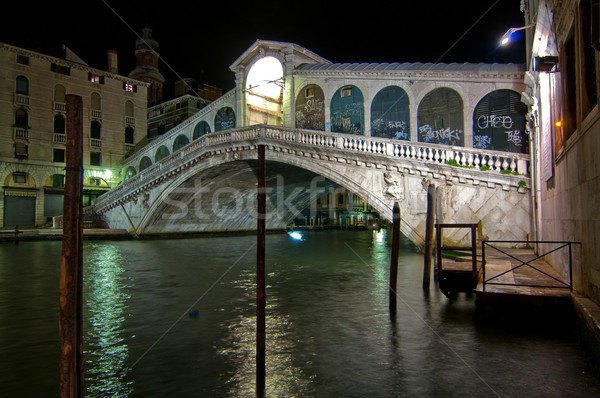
386,150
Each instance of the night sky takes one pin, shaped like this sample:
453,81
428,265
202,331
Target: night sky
202,39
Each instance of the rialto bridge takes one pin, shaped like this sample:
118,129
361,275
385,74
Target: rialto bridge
384,132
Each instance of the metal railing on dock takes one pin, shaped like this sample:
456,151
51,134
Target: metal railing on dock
517,263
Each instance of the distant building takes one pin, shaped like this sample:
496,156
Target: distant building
340,209
167,115
146,70
33,86
190,97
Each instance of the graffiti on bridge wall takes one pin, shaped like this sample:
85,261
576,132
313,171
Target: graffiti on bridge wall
445,136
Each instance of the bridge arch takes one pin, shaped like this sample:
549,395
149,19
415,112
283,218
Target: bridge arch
499,122
129,172
440,117
225,119
310,108
180,141
390,114
201,128
192,194
145,162
347,111
161,153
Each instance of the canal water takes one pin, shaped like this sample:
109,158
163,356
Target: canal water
175,318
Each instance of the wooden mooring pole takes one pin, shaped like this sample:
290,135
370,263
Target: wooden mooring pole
260,275
429,223
70,289
394,259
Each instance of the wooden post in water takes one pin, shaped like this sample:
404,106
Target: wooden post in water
394,259
429,235
260,275
70,295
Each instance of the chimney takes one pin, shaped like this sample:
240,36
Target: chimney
113,66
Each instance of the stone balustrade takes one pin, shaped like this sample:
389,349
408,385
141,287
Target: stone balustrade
490,163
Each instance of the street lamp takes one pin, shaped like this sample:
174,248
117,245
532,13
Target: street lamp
507,36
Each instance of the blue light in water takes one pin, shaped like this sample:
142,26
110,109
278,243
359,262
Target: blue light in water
296,235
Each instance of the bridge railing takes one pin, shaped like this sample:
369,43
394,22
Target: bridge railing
505,162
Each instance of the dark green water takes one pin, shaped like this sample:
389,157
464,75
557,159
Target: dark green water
175,318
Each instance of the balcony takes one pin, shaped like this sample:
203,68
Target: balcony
20,133
60,107
129,121
129,148
95,143
59,138
21,99
95,114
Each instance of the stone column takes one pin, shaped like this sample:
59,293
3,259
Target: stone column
240,100
289,90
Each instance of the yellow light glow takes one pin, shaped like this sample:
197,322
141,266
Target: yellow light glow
558,123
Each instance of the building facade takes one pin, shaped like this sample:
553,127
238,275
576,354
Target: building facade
33,87
562,91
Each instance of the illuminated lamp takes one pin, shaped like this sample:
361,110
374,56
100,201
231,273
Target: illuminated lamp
506,38
558,123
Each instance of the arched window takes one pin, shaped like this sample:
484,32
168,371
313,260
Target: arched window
59,124
440,118
201,128
225,119
95,128
390,115
129,109
499,122
161,153
347,111
129,135
22,86
59,93
21,118
180,142
130,172
310,108
145,162
96,102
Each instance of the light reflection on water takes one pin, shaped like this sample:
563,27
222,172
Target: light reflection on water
283,378
106,299
177,318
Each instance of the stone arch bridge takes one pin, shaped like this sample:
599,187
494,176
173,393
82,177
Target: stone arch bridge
210,185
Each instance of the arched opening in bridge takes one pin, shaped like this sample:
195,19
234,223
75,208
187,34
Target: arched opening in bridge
264,92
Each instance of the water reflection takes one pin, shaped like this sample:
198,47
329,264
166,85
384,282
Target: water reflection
283,377
106,352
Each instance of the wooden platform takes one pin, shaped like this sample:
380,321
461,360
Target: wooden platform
521,291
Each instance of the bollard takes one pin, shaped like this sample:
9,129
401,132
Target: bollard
16,234
394,258
260,275
429,235
70,295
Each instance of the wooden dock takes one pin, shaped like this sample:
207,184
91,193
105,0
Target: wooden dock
521,285
507,281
